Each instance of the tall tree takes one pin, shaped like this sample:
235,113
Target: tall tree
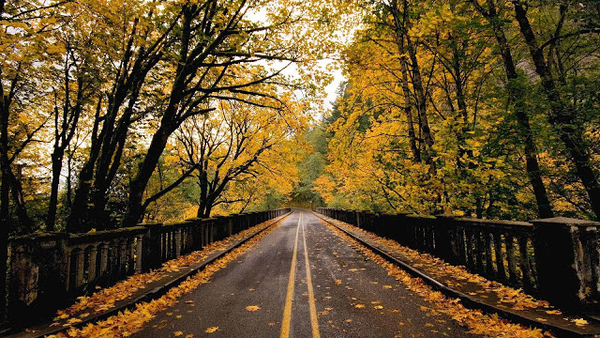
516,94
563,115
231,146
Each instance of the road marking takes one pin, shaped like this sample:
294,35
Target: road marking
287,310
314,321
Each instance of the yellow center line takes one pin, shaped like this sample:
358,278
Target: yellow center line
287,310
314,321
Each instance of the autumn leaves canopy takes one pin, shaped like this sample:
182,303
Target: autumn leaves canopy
481,108
108,106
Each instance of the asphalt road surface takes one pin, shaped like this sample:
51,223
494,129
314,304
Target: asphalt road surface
301,280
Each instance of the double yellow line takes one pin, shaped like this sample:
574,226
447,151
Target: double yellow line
287,310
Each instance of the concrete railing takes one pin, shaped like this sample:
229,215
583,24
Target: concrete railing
556,259
47,270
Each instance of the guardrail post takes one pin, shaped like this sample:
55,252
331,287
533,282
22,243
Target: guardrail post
230,225
151,246
138,253
567,261
92,265
177,242
445,243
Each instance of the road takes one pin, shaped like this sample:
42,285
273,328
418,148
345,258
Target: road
301,280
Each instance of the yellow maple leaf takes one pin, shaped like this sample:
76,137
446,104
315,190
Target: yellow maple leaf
580,322
359,306
178,333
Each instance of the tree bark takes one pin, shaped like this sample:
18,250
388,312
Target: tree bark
57,157
4,199
135,209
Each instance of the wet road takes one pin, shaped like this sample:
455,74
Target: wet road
302,280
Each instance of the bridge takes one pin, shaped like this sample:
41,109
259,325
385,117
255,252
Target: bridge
295,273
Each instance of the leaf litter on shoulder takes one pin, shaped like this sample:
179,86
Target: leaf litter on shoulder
475,320
127,322
105,299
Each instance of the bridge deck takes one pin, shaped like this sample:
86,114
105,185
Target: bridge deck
342,294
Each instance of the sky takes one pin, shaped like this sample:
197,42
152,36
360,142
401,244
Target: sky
332,88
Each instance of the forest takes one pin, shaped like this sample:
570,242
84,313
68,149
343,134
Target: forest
481,108
118,112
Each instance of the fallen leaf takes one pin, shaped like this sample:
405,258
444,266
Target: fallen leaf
212,329
178,333
359,306
580,322
252,308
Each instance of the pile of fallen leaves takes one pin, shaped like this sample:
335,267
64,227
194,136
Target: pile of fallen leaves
127,322
105,299
475,320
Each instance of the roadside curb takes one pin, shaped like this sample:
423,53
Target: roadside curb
467,301
150,295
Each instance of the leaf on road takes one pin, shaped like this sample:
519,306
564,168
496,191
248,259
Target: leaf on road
359,306
252,308
212,329
178,333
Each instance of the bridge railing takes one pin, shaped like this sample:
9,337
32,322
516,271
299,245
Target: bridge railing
557,259
49,269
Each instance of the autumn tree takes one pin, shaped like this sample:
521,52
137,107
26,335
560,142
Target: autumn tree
516,95
503,82
232,145
556,69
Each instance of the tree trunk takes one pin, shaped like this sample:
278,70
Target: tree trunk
418,87
516,96
4,204
57,157
135,208
17,195
408,109
562,116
